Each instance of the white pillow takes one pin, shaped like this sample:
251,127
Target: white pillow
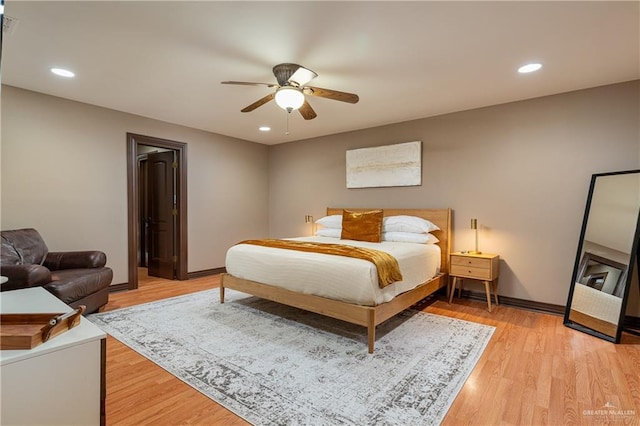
404,223
329,232
333,221
409,237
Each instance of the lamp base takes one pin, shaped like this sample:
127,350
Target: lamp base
474,252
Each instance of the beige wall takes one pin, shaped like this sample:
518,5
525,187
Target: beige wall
64,173
522,169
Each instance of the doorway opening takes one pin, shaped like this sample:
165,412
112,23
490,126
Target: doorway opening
157,208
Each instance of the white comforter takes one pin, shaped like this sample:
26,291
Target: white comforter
596,304
335,277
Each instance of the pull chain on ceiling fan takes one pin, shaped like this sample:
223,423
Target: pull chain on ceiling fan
291,90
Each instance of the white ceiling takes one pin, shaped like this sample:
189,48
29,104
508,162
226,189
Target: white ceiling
406,60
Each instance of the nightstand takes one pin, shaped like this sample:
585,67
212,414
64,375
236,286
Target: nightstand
484,267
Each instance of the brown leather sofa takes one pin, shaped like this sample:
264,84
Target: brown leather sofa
75,277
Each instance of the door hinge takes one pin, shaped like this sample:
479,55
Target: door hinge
175,259
175,164
174,212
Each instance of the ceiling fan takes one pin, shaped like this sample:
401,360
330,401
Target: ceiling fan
291,90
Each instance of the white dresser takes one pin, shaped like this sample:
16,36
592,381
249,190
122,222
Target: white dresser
60,382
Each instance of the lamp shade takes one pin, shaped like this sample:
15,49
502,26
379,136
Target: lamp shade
289,98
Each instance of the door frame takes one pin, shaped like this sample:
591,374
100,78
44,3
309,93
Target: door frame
133,225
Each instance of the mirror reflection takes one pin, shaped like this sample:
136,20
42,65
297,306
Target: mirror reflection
602,274
606,253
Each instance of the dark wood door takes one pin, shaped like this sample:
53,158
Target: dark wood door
143,211
162,214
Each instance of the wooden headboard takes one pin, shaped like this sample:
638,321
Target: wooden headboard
440,217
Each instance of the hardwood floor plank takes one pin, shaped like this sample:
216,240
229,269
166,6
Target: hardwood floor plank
540,416
543,384
534,371
529,391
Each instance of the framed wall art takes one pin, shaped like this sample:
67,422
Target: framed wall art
382,166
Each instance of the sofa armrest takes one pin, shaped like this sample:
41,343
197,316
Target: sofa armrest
75,260
24,276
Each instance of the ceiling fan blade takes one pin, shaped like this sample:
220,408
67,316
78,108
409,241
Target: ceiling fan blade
258,103
247,83
307,112
332,94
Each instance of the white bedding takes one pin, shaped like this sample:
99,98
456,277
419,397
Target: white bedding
335,277
596,304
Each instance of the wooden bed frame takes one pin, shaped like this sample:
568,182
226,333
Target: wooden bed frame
367,316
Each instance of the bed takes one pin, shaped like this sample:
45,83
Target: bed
595,309
361,309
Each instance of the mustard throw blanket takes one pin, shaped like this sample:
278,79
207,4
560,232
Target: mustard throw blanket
387,265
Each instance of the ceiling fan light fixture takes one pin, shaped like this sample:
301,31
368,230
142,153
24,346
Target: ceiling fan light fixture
302,76
289,98
291,90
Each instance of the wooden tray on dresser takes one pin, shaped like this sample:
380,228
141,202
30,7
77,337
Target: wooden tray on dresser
26,331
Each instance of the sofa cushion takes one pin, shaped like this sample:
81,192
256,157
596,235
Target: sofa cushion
23,247
70,285
75,259
24,276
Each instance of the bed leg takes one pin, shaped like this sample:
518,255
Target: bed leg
221,292
371,330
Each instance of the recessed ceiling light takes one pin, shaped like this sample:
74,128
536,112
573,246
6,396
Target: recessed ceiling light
62,72
264,128
529,68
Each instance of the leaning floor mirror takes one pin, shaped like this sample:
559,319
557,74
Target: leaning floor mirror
607,254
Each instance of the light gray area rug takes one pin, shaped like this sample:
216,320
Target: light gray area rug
275,365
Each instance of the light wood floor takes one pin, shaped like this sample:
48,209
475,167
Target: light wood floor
534,371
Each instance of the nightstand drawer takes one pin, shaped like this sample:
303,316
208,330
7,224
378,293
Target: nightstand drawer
474,262
483,273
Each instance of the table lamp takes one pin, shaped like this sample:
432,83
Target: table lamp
474,226
309,219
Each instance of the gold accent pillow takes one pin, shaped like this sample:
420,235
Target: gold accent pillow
362,226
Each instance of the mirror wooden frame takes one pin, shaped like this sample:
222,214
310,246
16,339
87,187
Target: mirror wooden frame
633,261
